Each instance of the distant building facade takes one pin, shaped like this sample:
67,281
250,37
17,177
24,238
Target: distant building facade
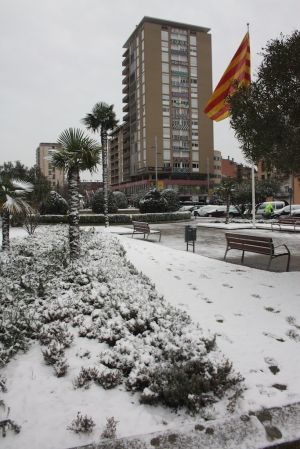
217,167
232,169
43,161
166,139
289,186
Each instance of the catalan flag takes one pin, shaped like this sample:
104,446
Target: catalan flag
237,74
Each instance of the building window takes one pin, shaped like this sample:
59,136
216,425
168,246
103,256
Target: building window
166,133
166,155
193,61
166,121
165,56
195,156
166,144
165,67
193,40
165,89
164,35
165,78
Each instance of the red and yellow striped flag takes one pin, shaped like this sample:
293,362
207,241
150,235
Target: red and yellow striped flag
237,74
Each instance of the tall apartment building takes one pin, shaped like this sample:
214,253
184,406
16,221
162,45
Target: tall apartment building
167,82
43,153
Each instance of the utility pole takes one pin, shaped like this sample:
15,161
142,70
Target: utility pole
208,180
155,147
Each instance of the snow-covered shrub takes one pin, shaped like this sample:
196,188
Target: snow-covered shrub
61,367
172,198
82,424
85,377
8,424
121,199
31,221
109,379
110,430
54,204
56,331
16,328
53,353
98,203
153,202
193,384
3,388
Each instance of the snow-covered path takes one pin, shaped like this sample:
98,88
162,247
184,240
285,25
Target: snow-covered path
255,314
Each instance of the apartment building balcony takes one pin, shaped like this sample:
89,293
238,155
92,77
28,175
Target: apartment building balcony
125,71
125,80
125,99
126,108
125,89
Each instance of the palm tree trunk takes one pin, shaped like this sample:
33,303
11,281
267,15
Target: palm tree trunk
227,208
73,183
5,230
105,176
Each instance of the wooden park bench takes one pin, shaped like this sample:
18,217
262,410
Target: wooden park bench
255,244
286,221
140,227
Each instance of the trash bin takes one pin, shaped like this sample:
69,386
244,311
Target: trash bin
190,236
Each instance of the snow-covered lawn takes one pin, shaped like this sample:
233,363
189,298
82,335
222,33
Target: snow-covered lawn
255,315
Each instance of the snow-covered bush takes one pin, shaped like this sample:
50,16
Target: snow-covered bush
82,424
110,430
172,198
54,204
121,199
98,203
153,202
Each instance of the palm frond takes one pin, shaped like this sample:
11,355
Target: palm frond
102,118
16,205
23,186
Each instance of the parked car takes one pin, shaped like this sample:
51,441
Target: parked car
296,213
285,210
276,206
187,208
215,211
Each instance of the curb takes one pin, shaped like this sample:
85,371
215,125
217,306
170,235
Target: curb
257,430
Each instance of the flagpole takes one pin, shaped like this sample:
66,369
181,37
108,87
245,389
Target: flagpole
252,169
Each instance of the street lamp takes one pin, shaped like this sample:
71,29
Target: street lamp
290,192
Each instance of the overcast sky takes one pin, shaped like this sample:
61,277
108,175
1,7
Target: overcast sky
59,57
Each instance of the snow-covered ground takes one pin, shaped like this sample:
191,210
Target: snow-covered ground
255,315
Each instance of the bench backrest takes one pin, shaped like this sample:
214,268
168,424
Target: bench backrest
141,226
254,243
288,220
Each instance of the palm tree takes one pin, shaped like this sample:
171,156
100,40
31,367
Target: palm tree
102,119
78,152
12,192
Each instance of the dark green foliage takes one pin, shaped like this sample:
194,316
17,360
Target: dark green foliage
193,384
54,204
153,202
266,116
135,199
121,200
118,218
171,196
98,203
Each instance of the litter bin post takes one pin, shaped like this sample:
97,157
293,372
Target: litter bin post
190,236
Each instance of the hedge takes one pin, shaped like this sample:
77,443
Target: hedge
118,218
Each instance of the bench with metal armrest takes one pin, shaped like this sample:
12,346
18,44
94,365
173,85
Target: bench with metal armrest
256,244
140,227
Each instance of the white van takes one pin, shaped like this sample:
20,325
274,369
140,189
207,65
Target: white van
276,206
